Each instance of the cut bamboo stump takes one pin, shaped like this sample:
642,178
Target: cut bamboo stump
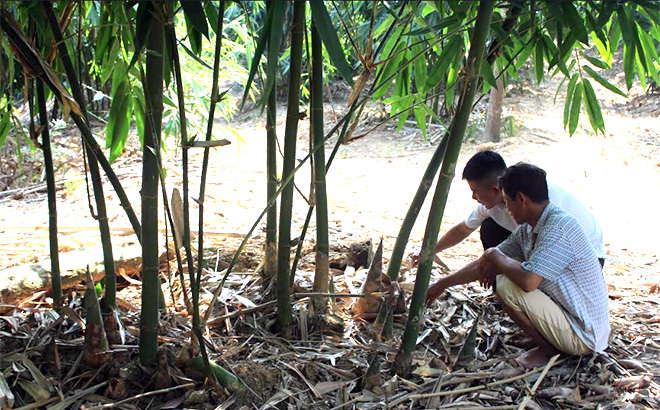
19,282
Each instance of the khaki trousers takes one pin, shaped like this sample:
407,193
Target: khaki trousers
545,315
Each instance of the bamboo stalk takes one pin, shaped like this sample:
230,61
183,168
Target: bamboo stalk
52,197
409,221
456,131
270,264
92,147
150,175
290,135
97,184
345,120
320,193
202,186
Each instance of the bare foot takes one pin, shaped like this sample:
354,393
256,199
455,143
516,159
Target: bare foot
533,358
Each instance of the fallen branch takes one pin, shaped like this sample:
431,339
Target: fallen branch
538,382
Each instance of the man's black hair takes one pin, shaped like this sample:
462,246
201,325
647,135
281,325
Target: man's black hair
484,165
527,179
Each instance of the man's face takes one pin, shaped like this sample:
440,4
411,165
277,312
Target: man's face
515,207
486,193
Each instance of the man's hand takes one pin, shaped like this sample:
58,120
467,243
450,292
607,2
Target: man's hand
489,267
414,257
434,291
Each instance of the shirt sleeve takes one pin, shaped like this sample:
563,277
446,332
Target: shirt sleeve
512,246
551,254
477,216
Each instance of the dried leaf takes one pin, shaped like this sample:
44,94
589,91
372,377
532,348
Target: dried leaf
34,390
632,364
38,377
633,382
555,393
6,395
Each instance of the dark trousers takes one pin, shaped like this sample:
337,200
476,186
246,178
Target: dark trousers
492,234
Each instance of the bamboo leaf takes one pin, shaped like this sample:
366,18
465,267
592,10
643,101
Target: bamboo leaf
4,128
442,24
274,42
421,71
389,68
538,61
329,37
651,54
121,128
261,44
194,13
487,74
420,118
593,107
641,71
211,13
143,22
602,81
576,104
603,49
114,118
439,70
596,62
575,22
138,110
195,38
629,64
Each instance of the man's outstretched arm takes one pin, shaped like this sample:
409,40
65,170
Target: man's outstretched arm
468,273
493,262
455,235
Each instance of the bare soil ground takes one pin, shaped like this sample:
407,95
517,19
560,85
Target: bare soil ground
371,182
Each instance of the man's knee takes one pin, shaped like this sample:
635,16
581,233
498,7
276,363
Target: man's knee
509,293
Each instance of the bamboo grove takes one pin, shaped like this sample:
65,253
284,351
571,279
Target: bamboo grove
424,60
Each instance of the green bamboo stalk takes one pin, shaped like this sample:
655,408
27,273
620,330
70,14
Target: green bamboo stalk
320,195
93,149
52,197
270,264
471,71
290,135
202,187
150,175
97,184
411,216
344,121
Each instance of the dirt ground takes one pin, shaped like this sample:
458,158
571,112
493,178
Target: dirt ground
372,181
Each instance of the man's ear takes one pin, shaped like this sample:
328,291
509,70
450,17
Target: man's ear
522,198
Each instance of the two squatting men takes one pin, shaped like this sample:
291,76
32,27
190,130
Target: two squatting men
543,251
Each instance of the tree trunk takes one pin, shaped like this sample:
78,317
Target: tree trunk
150,176
320,195
471,71
494,117
290,135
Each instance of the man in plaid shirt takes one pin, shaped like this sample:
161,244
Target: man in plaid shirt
548,277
